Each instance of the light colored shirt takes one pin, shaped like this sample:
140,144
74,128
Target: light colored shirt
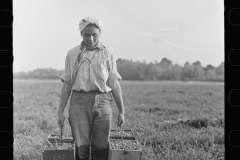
98,70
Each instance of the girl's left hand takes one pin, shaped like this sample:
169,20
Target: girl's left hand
121,119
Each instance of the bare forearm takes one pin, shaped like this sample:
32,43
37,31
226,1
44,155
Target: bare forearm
117,95
65,93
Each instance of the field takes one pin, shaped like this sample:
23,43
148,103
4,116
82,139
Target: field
172,120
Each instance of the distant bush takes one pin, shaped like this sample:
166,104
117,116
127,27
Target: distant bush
142,71
45,73
165,70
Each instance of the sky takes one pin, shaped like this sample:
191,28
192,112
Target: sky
140,30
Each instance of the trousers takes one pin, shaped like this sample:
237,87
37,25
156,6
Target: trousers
90,115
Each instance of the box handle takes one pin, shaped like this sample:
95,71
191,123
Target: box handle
121,135
61,132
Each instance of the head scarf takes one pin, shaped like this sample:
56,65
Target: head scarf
90,20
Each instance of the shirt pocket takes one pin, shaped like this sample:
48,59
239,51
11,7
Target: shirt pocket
100,69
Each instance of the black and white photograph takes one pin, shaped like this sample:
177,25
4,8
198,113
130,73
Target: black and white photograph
118,80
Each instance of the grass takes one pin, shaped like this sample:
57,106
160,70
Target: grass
171,120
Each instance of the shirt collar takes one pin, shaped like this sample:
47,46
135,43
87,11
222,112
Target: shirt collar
98,45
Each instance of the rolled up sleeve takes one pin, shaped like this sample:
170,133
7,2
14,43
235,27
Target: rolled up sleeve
113,73
66,76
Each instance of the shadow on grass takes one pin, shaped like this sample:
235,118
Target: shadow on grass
201,122
159,111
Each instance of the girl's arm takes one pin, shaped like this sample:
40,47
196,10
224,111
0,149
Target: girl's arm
117,94
65,93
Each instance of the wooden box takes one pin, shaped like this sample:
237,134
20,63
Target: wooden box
124,154
52,138
52,153
127,134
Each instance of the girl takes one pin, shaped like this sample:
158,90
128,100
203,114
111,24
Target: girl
92,78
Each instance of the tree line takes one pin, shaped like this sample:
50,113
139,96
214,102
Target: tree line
142,71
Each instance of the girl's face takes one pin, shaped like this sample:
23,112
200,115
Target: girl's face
91,35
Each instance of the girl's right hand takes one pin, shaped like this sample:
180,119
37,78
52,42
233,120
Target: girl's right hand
61,119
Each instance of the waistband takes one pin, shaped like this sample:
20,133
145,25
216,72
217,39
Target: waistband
94,91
